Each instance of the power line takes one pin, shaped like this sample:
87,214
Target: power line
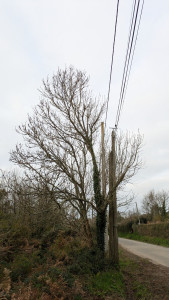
128,54
129,57
126,58
133,50
112,59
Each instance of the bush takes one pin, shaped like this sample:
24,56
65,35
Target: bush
87,261
39,281
125,226
38,257
160,230
128,224
21,267
54,273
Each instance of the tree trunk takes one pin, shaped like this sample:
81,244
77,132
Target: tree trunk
100,230
99,201
88,232
86,226
101,213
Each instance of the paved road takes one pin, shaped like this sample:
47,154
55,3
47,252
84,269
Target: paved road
157,254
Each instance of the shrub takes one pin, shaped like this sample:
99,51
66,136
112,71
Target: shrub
38,258
39,281
155,230
21,267
87,261
54,273
125,226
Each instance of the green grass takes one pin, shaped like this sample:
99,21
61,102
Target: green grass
133,269
146,239
141,292
104,283
113,282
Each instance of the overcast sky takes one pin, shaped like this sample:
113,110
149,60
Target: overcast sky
38,36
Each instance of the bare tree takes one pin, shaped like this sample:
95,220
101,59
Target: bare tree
31,204
155,203
128,161
60,147
60,140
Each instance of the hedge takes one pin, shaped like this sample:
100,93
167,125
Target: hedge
154,230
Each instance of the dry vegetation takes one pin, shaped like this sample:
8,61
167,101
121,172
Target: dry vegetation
60,265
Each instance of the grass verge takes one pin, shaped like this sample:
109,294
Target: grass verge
107,283
132,271
146,239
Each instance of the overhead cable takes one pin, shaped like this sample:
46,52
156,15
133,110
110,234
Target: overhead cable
132,39
127,56
133,49
112,58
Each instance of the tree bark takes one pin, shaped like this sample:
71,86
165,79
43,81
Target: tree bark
99,202
88,233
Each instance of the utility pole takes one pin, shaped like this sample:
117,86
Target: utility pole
104,178
113,236
103,161
137,213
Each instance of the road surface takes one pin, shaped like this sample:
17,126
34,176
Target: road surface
157,254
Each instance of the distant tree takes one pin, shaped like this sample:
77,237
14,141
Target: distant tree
3,199
163,209
155,204
148,202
